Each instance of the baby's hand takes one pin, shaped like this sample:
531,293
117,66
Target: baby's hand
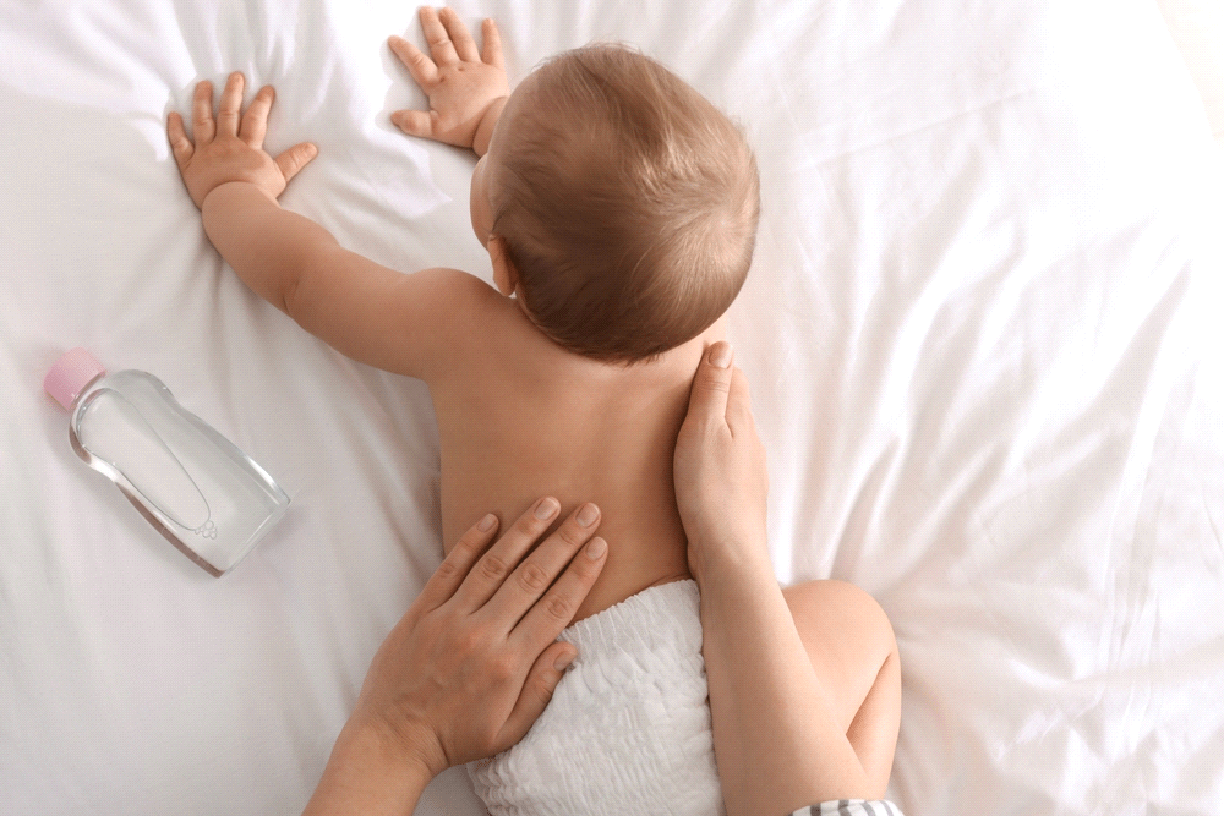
464,85
228,150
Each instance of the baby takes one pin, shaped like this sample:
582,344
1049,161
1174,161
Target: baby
619,209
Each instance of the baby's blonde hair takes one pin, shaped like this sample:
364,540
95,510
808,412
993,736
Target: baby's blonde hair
628,203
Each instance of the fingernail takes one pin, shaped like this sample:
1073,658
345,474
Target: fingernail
596,548
486,523
720,357
564,661
587,515
547,509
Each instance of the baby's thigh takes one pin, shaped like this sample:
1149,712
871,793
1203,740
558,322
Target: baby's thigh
848,638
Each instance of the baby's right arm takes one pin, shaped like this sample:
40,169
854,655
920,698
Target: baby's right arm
467,88
408,324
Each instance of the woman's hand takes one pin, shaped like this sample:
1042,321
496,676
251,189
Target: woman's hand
719,465
229,148
466,87
473,663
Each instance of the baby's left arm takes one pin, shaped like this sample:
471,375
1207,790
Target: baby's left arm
377,315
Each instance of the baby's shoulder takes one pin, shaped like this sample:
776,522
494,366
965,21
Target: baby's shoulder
463,288
464,303
470,315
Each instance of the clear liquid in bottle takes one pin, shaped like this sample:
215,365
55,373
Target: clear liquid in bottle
202,493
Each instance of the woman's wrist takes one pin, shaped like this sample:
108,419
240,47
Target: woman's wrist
727,576
370,771
719,556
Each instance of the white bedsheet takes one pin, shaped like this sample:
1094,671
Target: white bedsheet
981,331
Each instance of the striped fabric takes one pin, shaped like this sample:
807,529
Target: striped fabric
851,807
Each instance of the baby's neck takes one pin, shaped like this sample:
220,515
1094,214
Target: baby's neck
674,363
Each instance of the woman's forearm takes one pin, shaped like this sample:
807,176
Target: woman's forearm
363,776
776,740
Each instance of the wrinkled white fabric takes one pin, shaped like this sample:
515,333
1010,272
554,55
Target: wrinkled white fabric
982,333
628,728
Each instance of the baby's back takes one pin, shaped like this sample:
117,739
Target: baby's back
520,418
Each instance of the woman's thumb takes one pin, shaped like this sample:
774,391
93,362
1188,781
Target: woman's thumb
712,382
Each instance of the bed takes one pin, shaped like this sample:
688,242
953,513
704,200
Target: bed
982,334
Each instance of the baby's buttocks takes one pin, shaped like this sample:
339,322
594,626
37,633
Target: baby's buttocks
628,728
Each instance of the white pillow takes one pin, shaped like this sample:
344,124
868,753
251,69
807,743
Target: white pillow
1198,28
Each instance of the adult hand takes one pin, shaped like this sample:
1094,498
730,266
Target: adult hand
780,728
719,465
469,667
473,663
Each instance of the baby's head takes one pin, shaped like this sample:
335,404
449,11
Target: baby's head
621,204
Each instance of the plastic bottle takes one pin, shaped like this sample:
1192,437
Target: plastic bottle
193,485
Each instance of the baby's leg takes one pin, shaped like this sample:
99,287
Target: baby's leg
852,647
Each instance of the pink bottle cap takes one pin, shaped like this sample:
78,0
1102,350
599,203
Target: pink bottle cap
70,374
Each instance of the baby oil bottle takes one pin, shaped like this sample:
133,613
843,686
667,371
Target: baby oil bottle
194,486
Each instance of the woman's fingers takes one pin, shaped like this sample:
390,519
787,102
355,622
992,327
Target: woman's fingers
555,611
739,406
711,387
499,561
440,46
202,127
537,691
537,572
456,566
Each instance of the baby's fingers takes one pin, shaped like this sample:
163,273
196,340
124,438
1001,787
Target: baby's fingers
415,122
295,158
231,104
465,46
180,145
421,67
255,120
440,46
492,54
203,128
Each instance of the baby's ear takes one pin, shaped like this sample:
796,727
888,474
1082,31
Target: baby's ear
505,275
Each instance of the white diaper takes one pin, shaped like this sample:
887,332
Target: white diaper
628,728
